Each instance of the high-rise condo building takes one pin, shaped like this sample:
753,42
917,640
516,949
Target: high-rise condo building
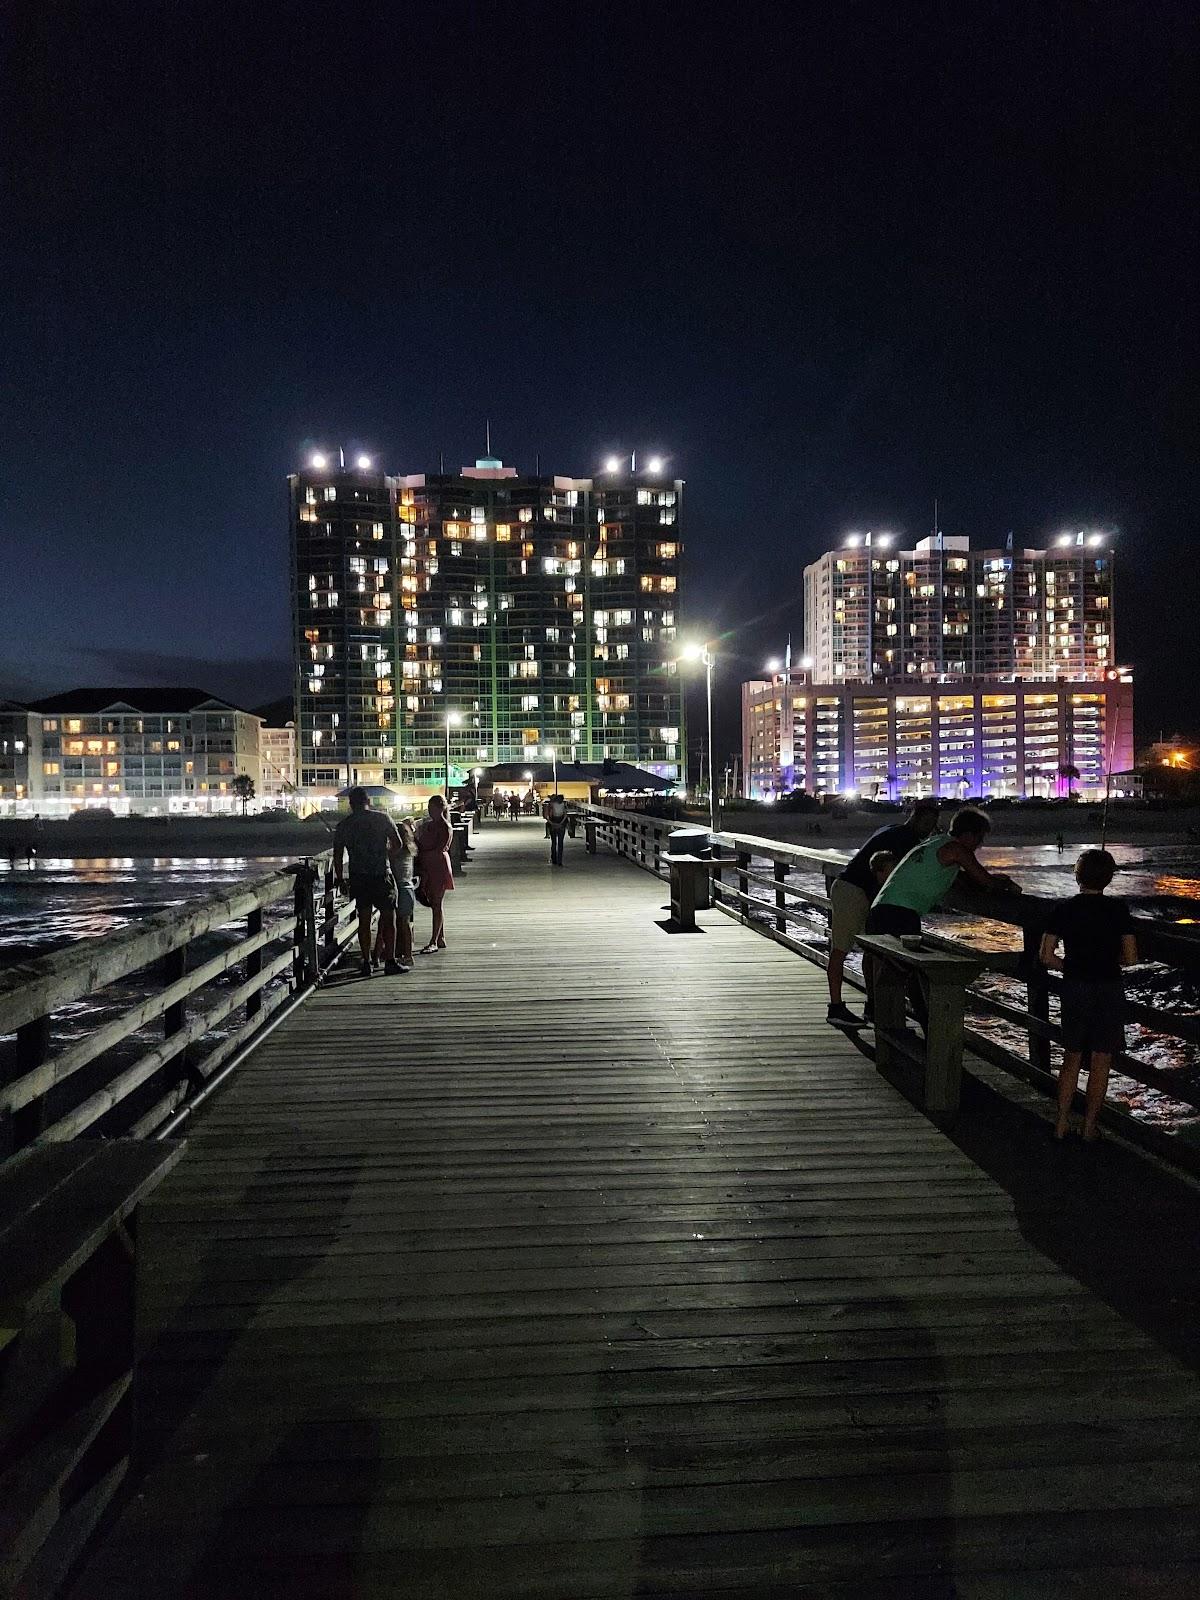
522,613
941,611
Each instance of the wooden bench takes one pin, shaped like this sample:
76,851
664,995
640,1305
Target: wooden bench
689,889
944,979
68,1231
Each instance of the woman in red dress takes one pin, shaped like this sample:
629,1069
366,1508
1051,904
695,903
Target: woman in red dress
433,867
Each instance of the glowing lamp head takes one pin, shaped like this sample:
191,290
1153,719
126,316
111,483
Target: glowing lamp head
807,663
854,540
1063,540
363,463
613,464
318,461
655,464
693,652
883,539
453,718
529,777
1095,539
774,664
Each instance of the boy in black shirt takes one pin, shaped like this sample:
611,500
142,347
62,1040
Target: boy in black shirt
1098,940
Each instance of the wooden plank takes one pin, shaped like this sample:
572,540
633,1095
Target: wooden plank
587,1261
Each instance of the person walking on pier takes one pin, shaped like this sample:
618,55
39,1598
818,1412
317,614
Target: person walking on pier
556,813
372,843
434,872
851,895
1097,937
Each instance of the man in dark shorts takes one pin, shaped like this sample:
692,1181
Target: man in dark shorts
372,842
851,894
1097,936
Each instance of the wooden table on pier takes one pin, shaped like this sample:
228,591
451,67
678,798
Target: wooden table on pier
587,1261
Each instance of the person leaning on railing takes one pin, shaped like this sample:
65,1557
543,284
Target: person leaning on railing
852,892
927,874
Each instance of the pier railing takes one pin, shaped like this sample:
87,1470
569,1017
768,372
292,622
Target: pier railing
179,995
755,880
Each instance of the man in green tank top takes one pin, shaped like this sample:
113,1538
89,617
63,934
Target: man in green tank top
927,874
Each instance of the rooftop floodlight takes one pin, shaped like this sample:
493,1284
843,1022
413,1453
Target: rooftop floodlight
884,539
613,464
655,464
693,652
1095,538
854,540
1063,539
774,664
363,463
319,461
807,663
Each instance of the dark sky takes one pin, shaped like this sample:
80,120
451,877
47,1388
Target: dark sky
834,259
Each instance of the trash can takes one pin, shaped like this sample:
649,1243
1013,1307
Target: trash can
690,842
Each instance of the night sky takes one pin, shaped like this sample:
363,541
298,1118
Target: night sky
834,260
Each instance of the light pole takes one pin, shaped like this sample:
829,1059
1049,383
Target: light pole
553,754
702,652
452,717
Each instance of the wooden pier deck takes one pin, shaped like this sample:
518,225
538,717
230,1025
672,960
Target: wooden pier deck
587,1261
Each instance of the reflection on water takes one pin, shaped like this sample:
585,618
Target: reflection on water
59,899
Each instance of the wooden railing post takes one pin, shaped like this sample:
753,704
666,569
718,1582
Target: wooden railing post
1037,993
30,1049
328,919
174,967
886,988
781,871
718,882
743,861
254,961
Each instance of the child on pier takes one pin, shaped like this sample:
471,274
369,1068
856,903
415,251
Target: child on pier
1098,940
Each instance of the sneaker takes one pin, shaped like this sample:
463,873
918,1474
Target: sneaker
365,968
393,967
840,1016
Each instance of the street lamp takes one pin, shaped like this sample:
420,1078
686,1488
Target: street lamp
553,754
702,652
452,717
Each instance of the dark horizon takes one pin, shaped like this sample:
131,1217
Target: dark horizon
835,266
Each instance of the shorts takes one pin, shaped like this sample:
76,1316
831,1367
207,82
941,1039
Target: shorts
1092,1015
895,920
378,891
848,907
406,902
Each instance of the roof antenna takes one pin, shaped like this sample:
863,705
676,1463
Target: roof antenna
487,433
441,463
342,458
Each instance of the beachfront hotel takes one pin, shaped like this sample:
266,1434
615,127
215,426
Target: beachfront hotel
142,751
874,613
946,670
995,738
510,614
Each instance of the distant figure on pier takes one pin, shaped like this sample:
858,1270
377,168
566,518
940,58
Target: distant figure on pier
12,858
556,813
434,872
1060,842
1097,936
372,842
851,895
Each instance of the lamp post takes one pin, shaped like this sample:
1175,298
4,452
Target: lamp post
452,717
702,652
553,754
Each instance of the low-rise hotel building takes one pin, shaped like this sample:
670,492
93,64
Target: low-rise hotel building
142,751
991,738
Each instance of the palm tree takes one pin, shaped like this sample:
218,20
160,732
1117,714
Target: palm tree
1071,773
243,787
